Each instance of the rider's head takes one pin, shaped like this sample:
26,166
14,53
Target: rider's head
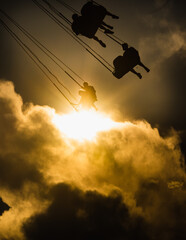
74,16
85,84
125,46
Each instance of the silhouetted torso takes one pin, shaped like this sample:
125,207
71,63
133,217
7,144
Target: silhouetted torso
91,19
88,97
92,93
92,11
131,56
127,62
84,26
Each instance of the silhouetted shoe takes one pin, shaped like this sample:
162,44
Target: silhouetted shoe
140,76
115,17
110,27
102,43
148,70
108,31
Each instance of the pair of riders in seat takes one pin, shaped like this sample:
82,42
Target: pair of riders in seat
91,19
127,62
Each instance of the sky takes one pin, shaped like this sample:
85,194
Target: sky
127,183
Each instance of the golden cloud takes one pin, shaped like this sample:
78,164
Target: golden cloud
131,159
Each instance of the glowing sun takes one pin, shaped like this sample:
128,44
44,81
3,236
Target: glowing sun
83,125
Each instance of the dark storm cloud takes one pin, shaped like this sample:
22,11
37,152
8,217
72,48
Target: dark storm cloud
74,214
173,74
16,5
15,172
167,217
177,13
3,206
161,5
172,10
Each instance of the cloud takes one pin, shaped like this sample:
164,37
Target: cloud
129,178
163,211
84,215
17,166
176,13
173,73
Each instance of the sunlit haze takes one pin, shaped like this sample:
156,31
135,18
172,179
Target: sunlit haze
83,125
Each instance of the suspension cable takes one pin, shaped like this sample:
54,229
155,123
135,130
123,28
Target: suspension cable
76,38
30,53
95,3
113,37
68,6
60,15
120,40
100,61
65,19
44,49
57,12
46,67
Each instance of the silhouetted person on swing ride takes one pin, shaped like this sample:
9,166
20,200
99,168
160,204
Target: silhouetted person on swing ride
96,12
127,62
91,19
88,28
88,96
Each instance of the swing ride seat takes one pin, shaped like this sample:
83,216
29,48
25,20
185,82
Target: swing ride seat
123,64
120,67
84,26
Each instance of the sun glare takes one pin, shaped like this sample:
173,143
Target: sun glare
83,125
